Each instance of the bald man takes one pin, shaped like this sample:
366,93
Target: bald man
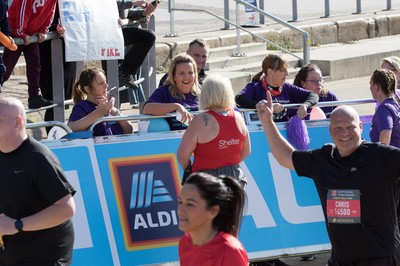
357,185
36,203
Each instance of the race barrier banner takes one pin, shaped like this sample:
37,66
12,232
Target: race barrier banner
92,30
126,200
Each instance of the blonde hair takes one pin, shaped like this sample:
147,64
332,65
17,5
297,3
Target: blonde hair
216,92
393,61
181,59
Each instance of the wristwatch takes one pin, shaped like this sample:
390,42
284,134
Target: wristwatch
19,225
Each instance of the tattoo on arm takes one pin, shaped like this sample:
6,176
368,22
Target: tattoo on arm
205,119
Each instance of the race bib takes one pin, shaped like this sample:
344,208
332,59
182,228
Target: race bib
343,206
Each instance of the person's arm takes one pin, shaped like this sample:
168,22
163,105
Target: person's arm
21,14
154,108
188,143
51,216
244,102
122,4
47,15
246,149
85,122
280,147
125,125
385,136
81,120
247,97
140,13
311,100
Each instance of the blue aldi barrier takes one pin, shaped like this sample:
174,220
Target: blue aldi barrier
127,188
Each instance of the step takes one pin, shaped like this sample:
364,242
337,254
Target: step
238,79
255,66
357,59
232,49
232,61
337,61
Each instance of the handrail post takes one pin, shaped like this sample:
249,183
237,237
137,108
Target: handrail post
358,3
294,10
327,9
306,49
150,82
262,18
237,53
58,79
171,10
388,5
112,77
226,15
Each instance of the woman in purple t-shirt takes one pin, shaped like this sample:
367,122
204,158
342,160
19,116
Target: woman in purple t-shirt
91,102
180,93
385,126
272,78
310,78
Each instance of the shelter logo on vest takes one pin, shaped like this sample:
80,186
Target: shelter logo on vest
146,190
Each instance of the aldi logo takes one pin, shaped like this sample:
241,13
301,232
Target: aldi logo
146,190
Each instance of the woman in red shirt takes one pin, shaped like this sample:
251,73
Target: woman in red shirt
218,137
210,211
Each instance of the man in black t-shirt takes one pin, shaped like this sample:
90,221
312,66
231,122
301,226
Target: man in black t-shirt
356,182
36,203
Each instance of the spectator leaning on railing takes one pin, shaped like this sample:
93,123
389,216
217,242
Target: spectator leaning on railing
27,19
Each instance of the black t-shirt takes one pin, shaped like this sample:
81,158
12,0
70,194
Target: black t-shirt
373,170
32,179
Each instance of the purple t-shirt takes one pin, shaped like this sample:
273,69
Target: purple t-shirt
289,94
163,95
386,117
83,108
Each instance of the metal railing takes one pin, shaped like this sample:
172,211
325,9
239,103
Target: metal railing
305,35
306,38
84,134
49,124
149,117
148,66
57,71
295,17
